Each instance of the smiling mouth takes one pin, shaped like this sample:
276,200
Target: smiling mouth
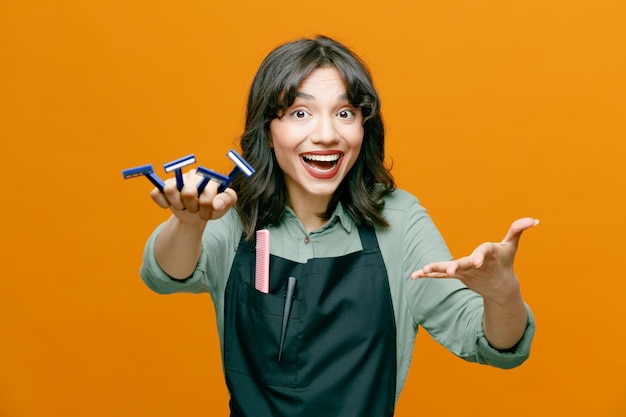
321,163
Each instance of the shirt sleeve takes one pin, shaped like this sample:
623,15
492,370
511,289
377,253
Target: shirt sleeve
449,311
158,281
211,272
453,315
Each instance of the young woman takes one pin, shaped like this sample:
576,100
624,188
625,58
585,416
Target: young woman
361,252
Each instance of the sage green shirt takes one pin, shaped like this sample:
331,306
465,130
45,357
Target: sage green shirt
445,308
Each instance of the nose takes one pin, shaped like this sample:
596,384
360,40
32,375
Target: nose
325,131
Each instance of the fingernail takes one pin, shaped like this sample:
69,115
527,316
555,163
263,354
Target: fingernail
536,222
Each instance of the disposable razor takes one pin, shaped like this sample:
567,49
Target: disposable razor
146,171
177,166
208,175
241,166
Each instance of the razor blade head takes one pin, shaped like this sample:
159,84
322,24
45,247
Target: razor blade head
137,171
210,174
241,163
179,163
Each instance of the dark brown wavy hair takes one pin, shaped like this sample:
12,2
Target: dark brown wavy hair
263,197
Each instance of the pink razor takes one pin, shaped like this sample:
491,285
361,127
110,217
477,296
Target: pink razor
262,273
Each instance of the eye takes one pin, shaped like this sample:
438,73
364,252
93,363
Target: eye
346,114
300,114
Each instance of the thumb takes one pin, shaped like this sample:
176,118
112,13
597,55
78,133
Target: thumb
516,229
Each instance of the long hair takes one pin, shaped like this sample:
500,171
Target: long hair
263,197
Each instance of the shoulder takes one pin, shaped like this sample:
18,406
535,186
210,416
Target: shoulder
401,210
411,230
400,197
399,204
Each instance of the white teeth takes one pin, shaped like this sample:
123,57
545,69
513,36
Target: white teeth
321,158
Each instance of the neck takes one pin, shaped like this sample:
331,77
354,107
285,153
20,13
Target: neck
308,212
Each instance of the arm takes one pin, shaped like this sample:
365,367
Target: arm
178,246
489,272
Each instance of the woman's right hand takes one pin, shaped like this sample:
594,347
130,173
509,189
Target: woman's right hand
187,206
178,246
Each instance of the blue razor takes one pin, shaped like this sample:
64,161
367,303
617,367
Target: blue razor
208,175
177,166
148,172
241,166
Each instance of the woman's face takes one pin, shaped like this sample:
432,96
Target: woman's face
318,138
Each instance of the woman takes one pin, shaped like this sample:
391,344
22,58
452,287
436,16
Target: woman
359,249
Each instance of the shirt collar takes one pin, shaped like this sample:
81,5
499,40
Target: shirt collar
339,215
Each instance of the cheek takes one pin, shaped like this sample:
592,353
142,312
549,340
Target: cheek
278,142
355,143
279,134
356,138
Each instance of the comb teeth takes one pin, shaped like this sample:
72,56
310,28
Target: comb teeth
262,272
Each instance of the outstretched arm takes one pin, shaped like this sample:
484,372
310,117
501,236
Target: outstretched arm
179,243
489,272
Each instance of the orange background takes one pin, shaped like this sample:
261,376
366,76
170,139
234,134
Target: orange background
495,110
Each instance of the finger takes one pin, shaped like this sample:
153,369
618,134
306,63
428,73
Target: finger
205,201
213,205
189,196
189,192
416,275
432,270
449,269
159,198
462,264
477,258
171,193
224,200
436,267
516,229
192,179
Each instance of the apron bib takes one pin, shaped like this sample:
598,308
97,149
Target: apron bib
339,354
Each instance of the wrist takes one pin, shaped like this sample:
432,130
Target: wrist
191,226
507,292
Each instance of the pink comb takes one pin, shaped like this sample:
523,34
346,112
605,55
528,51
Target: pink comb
262,275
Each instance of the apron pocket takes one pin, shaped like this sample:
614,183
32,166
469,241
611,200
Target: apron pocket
251,347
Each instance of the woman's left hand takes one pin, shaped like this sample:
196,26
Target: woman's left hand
489,269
